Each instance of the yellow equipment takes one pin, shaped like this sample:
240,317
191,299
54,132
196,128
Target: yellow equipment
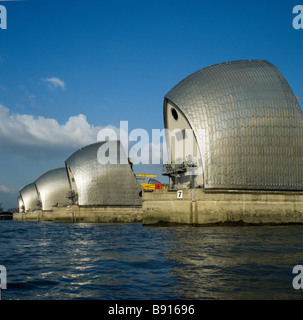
149,186
139,175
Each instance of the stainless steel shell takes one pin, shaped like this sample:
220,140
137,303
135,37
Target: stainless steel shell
29,197
20,204
103,184
248,124
53,187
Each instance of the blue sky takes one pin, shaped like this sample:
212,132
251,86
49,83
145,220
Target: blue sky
69,68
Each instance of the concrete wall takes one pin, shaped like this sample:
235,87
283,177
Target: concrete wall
84,214
196,207
215,207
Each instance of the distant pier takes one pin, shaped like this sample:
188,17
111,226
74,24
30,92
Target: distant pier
6,216
93,214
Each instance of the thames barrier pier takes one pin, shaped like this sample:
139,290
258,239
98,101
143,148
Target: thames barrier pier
85,190
235,141
197,207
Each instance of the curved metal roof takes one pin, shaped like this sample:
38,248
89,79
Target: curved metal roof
53,187
103,184
30,197
248,125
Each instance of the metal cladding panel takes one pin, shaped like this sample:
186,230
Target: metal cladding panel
53,187
29,196
103,184
20,204
248,124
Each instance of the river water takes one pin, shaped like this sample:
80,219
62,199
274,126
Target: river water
61,261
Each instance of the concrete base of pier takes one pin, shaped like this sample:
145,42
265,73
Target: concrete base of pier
200,207
75,213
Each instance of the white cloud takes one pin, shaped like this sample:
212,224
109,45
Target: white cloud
54,82
42,137
6,189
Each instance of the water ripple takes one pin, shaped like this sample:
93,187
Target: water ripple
129,261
